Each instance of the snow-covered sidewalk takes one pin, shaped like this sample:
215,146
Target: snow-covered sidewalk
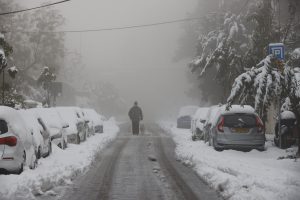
59,168
240,175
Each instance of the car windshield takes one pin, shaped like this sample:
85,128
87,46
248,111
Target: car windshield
239,121
3,127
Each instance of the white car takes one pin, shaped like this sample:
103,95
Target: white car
41,134
76,132
197,123
16,142
185,116
210,118
54,123
95,120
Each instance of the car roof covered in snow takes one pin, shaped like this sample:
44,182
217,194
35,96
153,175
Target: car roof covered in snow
72,116
187,111
32,123
201,113
233,110
15,122
93,116
237,109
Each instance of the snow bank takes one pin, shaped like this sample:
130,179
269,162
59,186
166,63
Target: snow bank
240,175
58,169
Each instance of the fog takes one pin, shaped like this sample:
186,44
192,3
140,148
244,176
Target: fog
138,62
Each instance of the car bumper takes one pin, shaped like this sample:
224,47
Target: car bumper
9,166
221,142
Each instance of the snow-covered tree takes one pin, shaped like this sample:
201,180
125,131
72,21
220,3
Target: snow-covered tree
261,84
265,83
223,49
45,79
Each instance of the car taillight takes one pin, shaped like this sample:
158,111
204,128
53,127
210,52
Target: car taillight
259,124
10,141
221,125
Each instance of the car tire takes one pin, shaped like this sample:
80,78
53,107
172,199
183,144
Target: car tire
22,164
39,154
214,145
65,144
35,162
193,138
209,140
77,139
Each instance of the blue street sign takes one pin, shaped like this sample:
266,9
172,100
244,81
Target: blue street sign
277,49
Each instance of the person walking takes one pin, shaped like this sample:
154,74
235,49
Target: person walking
136,115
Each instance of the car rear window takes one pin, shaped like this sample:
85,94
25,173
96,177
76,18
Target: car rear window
3,127
239,121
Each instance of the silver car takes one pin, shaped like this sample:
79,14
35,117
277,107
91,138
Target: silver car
238,128
16,142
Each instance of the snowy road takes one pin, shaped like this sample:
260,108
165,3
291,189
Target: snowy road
139,167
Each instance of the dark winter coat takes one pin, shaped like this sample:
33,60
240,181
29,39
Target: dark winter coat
135,113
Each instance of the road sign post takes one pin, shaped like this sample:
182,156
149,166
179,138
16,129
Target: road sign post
277,50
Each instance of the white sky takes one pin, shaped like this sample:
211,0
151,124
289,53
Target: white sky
137,61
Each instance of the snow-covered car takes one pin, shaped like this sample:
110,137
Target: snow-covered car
87,125
95,120
41,135
237,128
16,142
76,131
54,123
197,123
185,116
210,116
288,132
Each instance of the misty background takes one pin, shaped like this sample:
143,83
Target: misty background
138,62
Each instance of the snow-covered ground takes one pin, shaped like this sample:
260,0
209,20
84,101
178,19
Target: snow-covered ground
240,175
61,167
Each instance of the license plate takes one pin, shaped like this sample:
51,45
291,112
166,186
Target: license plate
240,130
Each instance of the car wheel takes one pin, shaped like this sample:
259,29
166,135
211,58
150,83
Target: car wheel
38,154
276,142
77,139
284,142
22,164
35,161
209,140
214,145
193,137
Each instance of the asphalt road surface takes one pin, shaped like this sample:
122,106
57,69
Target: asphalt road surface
139,167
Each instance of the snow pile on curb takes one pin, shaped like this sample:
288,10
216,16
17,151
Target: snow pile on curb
61,167
240,175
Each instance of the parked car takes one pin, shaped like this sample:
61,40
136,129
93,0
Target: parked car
54,123
41,135
288,132
237,128
185,116
95,121
16,142
210,116
76,132
86,120
197,123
